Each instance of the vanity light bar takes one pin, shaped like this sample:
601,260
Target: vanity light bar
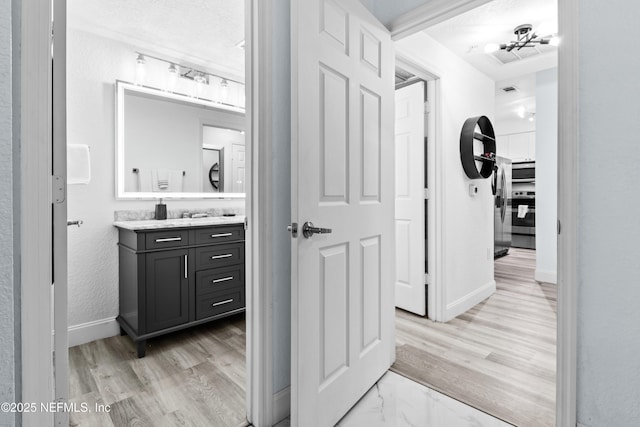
191,72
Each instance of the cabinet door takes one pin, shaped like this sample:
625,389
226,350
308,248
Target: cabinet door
519,146
532,146
502,146
167,289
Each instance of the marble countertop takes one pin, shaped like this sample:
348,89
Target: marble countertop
153,224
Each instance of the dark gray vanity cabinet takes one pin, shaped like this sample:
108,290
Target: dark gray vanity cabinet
167,289
174,278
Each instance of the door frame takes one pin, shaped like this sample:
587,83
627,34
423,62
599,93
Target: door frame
568,120
436,303
36,226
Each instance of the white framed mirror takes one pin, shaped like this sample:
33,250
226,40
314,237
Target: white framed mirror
173,146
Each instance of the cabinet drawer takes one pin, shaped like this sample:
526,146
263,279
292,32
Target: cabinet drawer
219,255
219,234
219,279
166,239
219,303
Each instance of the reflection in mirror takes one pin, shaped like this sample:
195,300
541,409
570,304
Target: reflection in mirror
231,149
214,169
174,146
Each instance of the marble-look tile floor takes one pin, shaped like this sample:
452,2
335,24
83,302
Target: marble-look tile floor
396,401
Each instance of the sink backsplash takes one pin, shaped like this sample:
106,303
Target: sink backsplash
146,214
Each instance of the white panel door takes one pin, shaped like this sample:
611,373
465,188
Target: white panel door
239,164
410,216
342,179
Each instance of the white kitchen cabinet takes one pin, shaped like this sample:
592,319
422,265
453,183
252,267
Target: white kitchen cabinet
502,146
518,147
532,146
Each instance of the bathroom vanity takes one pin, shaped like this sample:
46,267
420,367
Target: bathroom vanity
178,273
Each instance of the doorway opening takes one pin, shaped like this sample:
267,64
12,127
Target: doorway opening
502,338
178,128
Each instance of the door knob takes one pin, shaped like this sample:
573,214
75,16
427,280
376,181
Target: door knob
76,222
309,230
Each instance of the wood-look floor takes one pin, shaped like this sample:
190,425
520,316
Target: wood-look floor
194,378
500,356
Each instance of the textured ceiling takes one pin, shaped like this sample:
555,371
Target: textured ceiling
201,33
508,103
467,34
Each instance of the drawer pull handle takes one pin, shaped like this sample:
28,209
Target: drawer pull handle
224,279
215,304
222,256
213,236
169,239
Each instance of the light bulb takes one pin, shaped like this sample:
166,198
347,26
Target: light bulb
224,91
554,41
521,111
200,82
172,78
141,70
491,47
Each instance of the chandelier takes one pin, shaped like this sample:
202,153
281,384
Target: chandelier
526,37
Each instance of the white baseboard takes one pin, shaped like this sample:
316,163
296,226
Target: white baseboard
546,276
281,405
91,331
463,304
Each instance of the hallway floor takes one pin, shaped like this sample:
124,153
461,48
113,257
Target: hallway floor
500,356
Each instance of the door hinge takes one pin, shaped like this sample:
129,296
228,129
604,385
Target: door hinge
58,189
427,107
559,227
427,280
426,194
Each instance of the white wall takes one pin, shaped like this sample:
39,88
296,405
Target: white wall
547,175
9,257
94,64
467,221
609,220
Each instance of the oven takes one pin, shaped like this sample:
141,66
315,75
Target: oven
523,219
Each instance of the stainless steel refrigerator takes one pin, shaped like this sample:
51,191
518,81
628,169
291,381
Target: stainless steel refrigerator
501,187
